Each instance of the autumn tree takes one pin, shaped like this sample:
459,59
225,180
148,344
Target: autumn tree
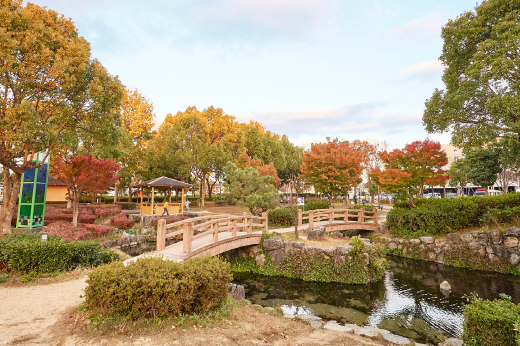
372,160
244,161
332,167
290,175
50,89
84,174
249,188
481,100
407,171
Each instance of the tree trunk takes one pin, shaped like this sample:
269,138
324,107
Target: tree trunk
69,199
11,192
202,182
116,191
486,189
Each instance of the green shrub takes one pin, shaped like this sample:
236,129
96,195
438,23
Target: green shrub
401,204
357,244
153,287
127,205
281,217
501,215
367,207
315,205
491,323
25,252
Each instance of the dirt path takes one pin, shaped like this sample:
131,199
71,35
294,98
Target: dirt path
44,315
27,312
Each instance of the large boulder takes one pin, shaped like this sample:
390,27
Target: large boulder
445,286
427,240
236,291
273,244
343,249
514,232
453,238
494,237
277,256
317,233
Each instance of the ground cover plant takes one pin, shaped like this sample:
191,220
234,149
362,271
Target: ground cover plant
491,323
24,252
155,288
121,221
83,232
439,216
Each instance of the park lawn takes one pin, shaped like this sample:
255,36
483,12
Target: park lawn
327,243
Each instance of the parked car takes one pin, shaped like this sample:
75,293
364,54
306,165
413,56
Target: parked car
451,195
432,195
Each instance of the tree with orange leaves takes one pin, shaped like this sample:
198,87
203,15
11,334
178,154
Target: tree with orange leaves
244,161
332,167
407,171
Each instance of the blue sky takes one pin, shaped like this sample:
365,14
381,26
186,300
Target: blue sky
305,68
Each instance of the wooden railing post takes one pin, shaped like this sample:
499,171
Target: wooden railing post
331,215
376,217
249,225
362,215
214,227
187,236
265,222
311,219
161,234
234,230
345,216
300,216
359,214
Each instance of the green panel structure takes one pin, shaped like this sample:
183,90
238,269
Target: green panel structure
33,191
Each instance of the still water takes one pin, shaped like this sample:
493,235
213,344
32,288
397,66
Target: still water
407,301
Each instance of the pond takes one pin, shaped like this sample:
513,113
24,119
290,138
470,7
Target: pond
407,302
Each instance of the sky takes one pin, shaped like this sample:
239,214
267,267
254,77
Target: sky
309,69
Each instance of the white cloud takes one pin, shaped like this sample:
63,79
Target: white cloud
419,30
316,17
425,70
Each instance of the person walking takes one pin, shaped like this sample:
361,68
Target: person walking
355,199
166,205
187,205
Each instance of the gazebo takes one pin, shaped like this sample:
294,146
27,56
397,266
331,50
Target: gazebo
162,183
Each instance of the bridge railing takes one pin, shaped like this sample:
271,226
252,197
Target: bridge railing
331,215
195,228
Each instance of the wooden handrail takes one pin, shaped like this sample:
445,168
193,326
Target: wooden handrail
209,225
318,215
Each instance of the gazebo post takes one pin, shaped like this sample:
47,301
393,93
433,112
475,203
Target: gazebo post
141,206
182,202
170,196
153,195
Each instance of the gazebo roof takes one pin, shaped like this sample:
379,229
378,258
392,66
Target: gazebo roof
163,183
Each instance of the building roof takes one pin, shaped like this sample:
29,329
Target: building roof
54,182
163,183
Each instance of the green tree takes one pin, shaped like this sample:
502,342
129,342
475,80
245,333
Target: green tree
51,90
247,187
508,151
459,173
290,175
483,167
482,97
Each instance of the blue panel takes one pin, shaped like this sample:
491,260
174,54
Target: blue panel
28,175
42,173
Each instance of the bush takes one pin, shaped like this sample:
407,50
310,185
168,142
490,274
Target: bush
401,204
281,217
491,323
153,287
121,221
315,205
497,216
126,205
25,252
357,244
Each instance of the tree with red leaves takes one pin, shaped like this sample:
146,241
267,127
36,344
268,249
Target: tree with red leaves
332,167
244,161
407,171
84,174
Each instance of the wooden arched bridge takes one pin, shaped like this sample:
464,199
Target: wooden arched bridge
216,234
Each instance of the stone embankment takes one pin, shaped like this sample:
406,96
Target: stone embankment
492,250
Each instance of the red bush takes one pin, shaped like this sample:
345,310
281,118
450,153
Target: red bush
121,221
98,230
67,231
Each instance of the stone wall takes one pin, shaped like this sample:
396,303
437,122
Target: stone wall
492,250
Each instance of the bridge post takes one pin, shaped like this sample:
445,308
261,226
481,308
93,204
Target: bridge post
362,215
265,223
300,216
249,225
345,216
186,237
311,219
331,215
214,227
234,230
161,235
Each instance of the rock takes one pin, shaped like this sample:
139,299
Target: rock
427,240
317,233
337,234
511,242
343,249
415,241
298,244
474,245
514,259
260,260
489,249
467,238
392,246
307,318
311,250
500,251
383,229
494,237
445,286
395,339
108,244
440,242
515,232
133,244
236,291
288,316
333,325
453,238
440,258
369,331
277,256
273,244
432,256
477,234
315,324
328,252
482,251
452,342
491,257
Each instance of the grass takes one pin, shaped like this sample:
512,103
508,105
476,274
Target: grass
328,242
14,279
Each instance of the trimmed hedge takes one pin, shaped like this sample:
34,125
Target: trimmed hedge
281,217
152,287
25,252
504,215
491,323
315,205
439,216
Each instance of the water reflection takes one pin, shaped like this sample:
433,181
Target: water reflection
407,301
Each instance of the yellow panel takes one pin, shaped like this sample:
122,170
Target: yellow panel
56,193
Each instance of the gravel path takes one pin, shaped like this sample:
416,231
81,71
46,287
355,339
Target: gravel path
26,313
